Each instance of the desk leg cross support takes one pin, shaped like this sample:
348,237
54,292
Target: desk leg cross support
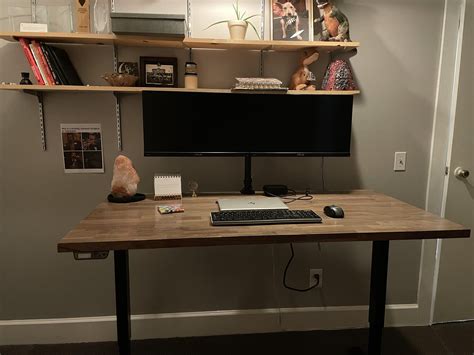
122,301
378,292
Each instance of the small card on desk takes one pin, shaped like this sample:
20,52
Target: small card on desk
168,192
170,209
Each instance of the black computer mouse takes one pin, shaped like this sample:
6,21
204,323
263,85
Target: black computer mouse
334,211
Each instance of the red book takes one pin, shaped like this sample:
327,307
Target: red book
44,63
31,60
38,63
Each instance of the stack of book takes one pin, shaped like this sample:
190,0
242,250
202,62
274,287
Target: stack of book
50,65
270,85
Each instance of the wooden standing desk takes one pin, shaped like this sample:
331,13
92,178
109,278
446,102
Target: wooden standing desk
368,217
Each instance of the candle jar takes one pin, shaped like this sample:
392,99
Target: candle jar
25,79
190,76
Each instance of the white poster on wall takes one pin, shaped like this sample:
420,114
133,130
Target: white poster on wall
82,148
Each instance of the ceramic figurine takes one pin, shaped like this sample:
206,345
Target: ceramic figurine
301,79
339,76
125,179
336,24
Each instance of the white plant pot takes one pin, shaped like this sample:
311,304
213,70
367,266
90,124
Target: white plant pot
237,29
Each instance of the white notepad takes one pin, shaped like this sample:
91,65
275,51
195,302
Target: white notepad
168,187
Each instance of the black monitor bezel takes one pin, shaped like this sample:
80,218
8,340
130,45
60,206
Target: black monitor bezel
251,154
242,154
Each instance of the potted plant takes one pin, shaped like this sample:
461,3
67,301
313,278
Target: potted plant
238,27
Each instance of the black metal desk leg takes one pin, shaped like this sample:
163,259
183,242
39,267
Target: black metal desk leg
378,291
122,301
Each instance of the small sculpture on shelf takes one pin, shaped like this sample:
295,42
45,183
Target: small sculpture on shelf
193,187
335,23
302,78
124,182
339,76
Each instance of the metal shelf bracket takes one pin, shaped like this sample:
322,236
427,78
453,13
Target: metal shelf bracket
39,96
118,119
188,17
118,108
262,36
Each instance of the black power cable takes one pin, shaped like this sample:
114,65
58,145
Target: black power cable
322,174
293,197
289,199
286,270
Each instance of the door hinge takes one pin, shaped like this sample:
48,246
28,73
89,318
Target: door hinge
446,170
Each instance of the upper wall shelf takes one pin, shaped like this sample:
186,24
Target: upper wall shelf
150,41
283,46
92,38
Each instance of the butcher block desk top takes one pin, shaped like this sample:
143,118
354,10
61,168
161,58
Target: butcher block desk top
369,216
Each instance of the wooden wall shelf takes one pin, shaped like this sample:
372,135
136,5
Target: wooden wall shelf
282,46
151,41
139,90
92,38
194,43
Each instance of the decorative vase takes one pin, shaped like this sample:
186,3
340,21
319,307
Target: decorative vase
339,76
237,29
101,16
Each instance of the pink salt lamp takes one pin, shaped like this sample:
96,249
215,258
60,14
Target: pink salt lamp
126,179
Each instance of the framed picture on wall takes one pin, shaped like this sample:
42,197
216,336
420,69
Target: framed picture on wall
159,71
291,20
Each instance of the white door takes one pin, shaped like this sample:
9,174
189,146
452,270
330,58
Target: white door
454,295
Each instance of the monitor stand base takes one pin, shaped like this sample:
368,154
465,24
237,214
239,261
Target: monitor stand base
248,189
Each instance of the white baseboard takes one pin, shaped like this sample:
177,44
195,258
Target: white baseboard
188,324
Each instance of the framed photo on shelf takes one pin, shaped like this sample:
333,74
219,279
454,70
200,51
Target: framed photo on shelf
159,71
291,20
128,68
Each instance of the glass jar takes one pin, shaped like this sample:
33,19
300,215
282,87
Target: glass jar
14,12
101,22
57,14
190,76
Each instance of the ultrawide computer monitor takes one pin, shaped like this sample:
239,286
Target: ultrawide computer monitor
213,124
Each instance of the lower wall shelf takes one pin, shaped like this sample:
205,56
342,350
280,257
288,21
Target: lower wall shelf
139,90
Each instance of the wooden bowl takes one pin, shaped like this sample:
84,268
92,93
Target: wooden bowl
116,79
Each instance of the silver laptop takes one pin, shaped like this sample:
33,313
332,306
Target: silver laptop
251,203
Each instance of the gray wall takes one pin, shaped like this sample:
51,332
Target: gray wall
396,69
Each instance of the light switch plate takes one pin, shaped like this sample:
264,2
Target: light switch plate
400,163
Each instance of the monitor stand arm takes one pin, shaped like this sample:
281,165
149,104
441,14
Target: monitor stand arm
248,189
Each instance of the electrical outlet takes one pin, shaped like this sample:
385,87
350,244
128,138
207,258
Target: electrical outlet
400,163
313,279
